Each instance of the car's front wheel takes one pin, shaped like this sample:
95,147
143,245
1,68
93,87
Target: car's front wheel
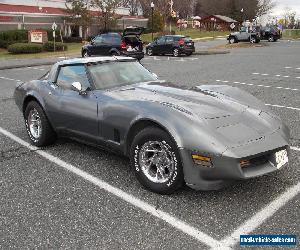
232,40
156,160
38,127
271,39
85,53
175,52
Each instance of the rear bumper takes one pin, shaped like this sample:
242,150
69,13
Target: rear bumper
134,54
186,50
226,168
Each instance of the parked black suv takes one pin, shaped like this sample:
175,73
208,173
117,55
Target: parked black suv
171,44
272,34
115,44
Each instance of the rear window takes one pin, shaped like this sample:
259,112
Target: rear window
187,39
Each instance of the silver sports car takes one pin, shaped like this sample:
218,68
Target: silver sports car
204,136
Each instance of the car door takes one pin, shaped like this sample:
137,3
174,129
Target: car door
244,35
169,45
72,112
95,46
160,45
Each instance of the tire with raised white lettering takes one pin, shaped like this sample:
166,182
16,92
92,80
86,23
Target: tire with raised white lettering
156,161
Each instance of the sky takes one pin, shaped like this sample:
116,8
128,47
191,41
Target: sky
282,4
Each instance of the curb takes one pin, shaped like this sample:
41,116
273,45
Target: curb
211,52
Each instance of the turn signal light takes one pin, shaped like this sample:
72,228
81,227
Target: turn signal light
202,160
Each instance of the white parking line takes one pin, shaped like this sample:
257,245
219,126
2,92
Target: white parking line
171,220
288,67
260,85
295,149
285,76
9,79
264,214
280,106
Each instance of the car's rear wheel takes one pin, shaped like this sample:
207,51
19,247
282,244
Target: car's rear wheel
38,127
175,52
232,40
271,39
85,53
156,160
150,52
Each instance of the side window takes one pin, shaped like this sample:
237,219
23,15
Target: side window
106,39
98,40
161,40
69,74
169,40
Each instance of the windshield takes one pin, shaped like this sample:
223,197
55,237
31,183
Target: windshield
116,74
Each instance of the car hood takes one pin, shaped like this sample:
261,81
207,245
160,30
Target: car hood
196,100
235,121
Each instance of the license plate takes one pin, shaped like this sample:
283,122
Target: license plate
281,158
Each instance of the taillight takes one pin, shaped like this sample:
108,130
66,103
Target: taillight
181,42
123,45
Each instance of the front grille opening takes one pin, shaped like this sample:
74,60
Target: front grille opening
257,161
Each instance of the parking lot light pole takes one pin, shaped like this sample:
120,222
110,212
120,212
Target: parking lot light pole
152,12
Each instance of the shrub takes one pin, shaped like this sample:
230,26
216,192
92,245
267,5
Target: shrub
14,35
57,35
4,44
72,39
49,46
25,48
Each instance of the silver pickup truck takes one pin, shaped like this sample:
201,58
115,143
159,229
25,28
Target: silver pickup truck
244,35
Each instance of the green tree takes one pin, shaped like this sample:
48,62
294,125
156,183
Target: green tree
79,14
158,21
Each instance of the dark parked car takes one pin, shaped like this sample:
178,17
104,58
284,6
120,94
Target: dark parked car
272,34
205,136
175,45
115,44
244,35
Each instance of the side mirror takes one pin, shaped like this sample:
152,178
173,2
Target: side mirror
77,86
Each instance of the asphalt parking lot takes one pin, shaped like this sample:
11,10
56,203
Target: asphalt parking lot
71,195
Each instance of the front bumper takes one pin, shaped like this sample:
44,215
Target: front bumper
226,167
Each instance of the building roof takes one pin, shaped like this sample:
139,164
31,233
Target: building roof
17,9
226,19
222,18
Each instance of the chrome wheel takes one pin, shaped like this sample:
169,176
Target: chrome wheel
157,161
35,124
253,40
232,40
150,52
271,39
176,52
85,53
